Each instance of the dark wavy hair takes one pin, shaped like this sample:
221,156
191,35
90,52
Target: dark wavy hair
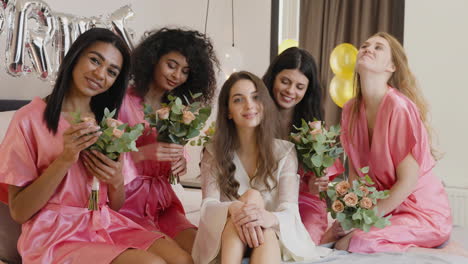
226,139
193,45
310,106
112,98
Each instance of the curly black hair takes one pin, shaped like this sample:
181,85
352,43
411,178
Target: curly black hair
310,106
193,45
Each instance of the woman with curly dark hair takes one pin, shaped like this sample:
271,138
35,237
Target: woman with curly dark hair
167,61
294,86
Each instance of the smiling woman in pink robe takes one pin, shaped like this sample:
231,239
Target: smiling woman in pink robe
49,169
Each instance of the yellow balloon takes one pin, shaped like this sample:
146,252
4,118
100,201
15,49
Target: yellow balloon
343,60
286,44
341,90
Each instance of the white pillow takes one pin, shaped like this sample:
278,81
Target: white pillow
5,118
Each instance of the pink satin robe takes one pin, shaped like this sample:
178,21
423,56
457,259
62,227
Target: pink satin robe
424,218
312,209
150,199
64,230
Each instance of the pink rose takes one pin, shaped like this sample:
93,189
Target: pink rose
366,203
117,132
351,199
364,190
113,122
315,125
187,117
163,113
342,188
337,206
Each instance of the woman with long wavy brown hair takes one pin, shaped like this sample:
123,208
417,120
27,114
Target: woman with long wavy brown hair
385,127
250,183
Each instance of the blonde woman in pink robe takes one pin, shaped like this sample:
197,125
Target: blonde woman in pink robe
385,128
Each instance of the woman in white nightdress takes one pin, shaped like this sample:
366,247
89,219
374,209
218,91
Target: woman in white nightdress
250,184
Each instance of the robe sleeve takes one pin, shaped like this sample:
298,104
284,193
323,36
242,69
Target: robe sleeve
294,239
403,131
213,213
18,154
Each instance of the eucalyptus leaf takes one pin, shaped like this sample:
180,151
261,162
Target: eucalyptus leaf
317,160
365,170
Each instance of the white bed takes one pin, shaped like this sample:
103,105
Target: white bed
191,199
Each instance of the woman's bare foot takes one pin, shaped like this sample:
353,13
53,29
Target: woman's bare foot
455,248
452,248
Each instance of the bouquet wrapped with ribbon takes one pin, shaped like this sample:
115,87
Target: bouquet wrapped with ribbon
116,138
317,147
178,123
354,205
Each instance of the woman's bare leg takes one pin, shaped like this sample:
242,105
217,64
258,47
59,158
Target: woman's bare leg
269,251
232,247
343,243
137,256
170,251
452,248
186,238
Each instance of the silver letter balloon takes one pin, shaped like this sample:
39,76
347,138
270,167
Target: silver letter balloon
32,28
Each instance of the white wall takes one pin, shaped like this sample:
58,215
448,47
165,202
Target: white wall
252,31
436,42
252,35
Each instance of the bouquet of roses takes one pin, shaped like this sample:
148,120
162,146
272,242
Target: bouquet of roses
354,206
317,147
206,138
116,138
178,123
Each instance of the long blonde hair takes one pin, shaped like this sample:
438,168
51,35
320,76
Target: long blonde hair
403,80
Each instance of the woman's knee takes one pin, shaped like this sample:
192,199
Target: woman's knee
252,196
269,235
229,227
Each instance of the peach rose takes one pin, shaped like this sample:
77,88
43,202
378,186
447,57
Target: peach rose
188,117
296,139
117,132
366,203
364,190
337,206
210,131
113,122
351,199
342,188
163,113
315,132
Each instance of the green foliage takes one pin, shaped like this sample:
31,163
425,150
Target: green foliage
205,138
173,129
111,145
317,149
